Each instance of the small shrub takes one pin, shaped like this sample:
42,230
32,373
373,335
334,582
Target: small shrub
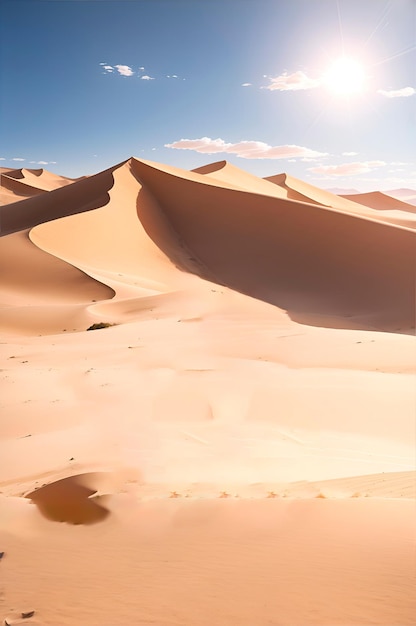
100,325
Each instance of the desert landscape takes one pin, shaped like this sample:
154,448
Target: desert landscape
208,400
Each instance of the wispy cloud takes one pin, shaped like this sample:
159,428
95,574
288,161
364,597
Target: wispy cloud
18,159
2,158
124,70
244,149
347,169
405,92
292,82
43,162
246,85
349,153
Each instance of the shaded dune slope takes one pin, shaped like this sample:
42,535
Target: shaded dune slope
17,184
39,177
381,201
41,292
296,189
113,240
306,259
17,189
223,172
34,276
165,227
305,192
82,195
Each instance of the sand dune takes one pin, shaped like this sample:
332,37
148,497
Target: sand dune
235,444
86,194
17,184
296,189
274,257
300,190
406,195
381,202
224,172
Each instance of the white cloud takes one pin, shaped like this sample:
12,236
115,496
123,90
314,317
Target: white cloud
2,159
18,159
146,77
204,145
43,162
244,149
108,68
246,85
347,169
398,93
124,70
349,153
292,82
141,69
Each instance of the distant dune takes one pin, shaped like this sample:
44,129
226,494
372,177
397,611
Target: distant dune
233,442
381,201
407,195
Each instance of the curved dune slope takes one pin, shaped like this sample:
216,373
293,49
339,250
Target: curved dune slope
307,259
147,230
296,189
405,195
15,189
82,195
113,240
224,172
39,177
300,190
381,201
16,184
40,292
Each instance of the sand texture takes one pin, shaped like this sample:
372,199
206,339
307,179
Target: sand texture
234,445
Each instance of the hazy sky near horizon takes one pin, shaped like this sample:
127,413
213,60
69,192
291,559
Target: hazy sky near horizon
86,84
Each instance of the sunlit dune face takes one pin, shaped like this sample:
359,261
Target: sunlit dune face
345,76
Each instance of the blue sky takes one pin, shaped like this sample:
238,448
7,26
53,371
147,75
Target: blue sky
88,83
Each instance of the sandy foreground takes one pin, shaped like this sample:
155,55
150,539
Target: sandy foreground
237,446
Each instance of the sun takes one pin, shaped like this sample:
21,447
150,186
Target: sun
345,77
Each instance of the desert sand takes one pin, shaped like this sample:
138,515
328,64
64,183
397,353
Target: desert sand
236,446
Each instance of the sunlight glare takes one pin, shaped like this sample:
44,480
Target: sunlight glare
345,76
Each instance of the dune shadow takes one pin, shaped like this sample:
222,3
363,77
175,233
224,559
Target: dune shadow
69,500
324,267
78,197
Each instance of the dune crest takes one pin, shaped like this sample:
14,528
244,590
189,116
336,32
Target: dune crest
381,202
294,255
321,264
